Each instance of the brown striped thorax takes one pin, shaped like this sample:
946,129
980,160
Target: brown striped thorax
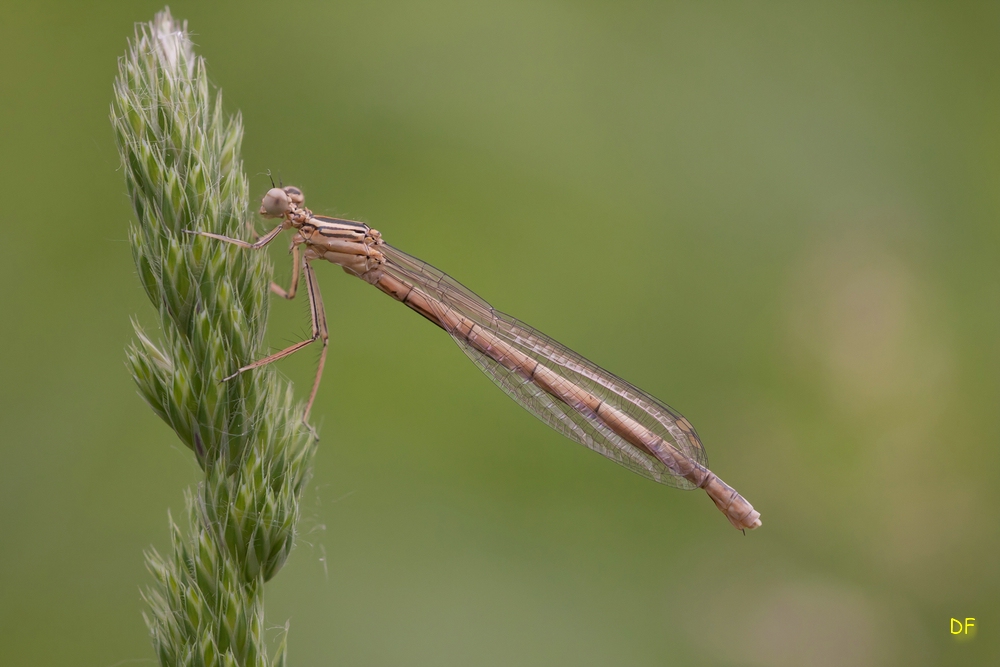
350,244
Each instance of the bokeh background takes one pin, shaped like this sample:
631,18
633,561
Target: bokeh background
781,218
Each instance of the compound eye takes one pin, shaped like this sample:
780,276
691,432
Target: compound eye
275,204
295,195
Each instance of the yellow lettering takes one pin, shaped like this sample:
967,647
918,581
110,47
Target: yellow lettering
969,624
955,621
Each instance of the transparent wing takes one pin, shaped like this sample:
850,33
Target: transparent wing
575,422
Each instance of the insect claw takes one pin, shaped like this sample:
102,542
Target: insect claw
227,379
311,429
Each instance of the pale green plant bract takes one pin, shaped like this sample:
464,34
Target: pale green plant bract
181,160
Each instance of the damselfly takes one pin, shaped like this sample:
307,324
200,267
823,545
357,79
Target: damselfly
569,393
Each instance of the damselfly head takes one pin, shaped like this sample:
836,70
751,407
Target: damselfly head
275,204
280,201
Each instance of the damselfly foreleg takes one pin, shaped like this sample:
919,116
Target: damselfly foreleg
256,245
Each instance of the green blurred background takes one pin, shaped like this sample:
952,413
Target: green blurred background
780,218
